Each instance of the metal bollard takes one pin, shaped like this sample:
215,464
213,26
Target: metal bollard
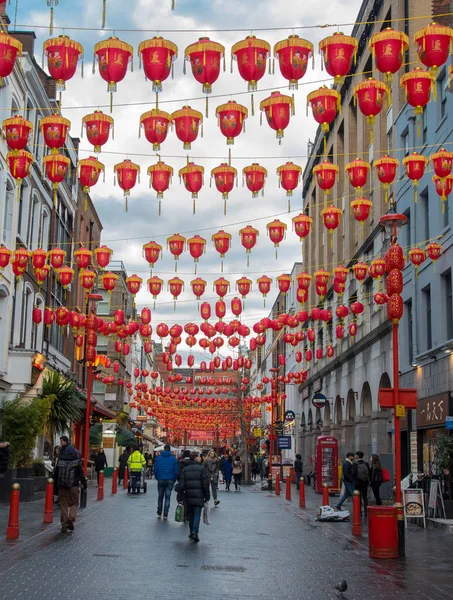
277,484
48,505
115,481
101,486
325,494
12,531
288,487
302,493
125,478
356,522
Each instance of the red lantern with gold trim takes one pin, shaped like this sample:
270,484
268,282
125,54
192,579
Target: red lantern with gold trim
192,177
264,286
187,123
442,162
243,286
386,171
63,55
109,280
255,177
417,256
54,130
205,311
443,188
37,315
113,57
278,109
97,126
322,281
289,175
395,308
221,286
198,286
236,306
176,244
231,118
205,58
377,268
103,255
152,251
10,48
338,51
155,286
87,278
276,231
417,85
361,209
41,274
220,309
293,54
302,225
326,174
224,177
325,105
65,275
56,167
434,43
388,48
222,243
175,286
160,176
251,56
434,251
56,257
370,95
331,218
248,239
82,257
155,124
284,283
5,257
380,298
16,131
127,174
340,274
358,171
360,271
303,281
414,166
19,163
134,283
197,246
157,56
89,171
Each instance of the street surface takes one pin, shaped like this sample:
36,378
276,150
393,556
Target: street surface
258,547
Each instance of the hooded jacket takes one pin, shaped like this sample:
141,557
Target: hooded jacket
212,468
166,466
194,483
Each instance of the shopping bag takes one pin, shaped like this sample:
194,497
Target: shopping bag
206,511
385,475
179,513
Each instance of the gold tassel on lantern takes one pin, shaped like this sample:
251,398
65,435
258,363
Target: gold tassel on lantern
253,106
207,108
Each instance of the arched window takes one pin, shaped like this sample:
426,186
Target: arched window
24,209
4,298
17,312
35,215
8,214
37,330
26,317
43,241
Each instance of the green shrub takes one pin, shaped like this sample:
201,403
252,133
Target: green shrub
37,468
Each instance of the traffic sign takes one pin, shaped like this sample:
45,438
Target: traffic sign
319,400
449,422
284,442
290,415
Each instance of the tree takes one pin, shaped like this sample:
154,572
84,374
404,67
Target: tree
67,404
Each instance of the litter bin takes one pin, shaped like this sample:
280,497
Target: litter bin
382,532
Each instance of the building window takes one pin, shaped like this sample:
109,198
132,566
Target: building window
427,310
424,217
8,215
442,95
25,321
405,141
410,341
24,204
103,308
448,303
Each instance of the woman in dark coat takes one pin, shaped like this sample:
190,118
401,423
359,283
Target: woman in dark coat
228,472
123,464
194,484
100,462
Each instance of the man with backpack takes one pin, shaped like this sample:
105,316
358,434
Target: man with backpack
69,477
362,471
349,479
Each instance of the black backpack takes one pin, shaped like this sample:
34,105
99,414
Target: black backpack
363,474
66,473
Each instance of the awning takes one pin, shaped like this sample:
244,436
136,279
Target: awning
105,412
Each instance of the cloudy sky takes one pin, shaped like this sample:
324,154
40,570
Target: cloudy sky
127,232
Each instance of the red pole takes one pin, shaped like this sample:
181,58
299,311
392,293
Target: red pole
277,484
48,506
397,428
288,487
125,478
87,420
325,494
101,486
115,481
302,493
12,531
356,522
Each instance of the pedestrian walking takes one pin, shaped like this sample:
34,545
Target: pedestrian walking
265,467
228,472
183,462
69,476
123,464
135,464
362,476
211,465
349,479
100,462
194,485
298,468
166,473
237,472
260,466
376,477
255,469
149,466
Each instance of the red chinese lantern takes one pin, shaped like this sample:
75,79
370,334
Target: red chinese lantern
97,126
303,281
386,171
360,271
325,105
321,282
361,209
278,110
37,315
231,118
175,244
5,257
443,188
394,258
103,255
380,298
442,162
197,246
388,48
341,274
414,166
251,55
109,280
243,286
433,45
155,286
222,242
220,309
434,251
82,257
326,174
358,171
331,218
417,256
62,57
377,268
357,308
87,278
276,231
264,286
289,175
224,178
221,286
19,163
157,56
56,167
56,257
41,274
89,171
205,57
65,275
417,86
192,176
49,317
113,57
236,306
293,54
175,286
187,122
134,283
205,311
342,311
155,124
395,308
127,173
255,177
352,328
338,51
16,129
54,130
152,251
284,283
302,225
248,239
370,96
339,287
10,47
160,176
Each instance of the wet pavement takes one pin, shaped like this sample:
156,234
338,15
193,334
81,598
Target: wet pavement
258,547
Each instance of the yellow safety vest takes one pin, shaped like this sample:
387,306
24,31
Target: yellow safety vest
136,461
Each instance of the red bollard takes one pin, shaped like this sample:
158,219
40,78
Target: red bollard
115,481
302,493
48,506
125,478
277,484
356,522
288,487
12,531
101,486
325,494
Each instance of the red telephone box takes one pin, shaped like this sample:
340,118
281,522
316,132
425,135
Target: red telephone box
326,462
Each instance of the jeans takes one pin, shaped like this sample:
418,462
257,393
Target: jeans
194,518
227,484
237,480
348,491
363,489
136,477
298,476
164,486
214,487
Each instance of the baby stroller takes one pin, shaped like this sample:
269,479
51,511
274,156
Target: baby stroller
137,482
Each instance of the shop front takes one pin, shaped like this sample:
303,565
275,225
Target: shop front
431,416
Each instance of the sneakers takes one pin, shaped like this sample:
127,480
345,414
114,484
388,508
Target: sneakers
195,538
159,514
216,502
165,516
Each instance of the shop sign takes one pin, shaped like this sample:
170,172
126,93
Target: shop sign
284,442
413,504
110,397
317,385
306,392
414,459
433,411
257,432
449,422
